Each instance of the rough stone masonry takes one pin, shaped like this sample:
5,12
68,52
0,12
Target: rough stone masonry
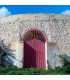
56,28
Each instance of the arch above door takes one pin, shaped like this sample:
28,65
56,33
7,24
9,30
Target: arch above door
35,34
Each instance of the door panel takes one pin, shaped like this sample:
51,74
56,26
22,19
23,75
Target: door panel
34,54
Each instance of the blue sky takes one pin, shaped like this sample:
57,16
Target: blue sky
7,10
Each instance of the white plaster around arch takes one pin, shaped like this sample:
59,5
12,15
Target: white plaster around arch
19,54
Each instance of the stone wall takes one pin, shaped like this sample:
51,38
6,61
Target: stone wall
55,27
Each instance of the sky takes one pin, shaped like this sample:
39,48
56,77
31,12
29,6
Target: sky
7,10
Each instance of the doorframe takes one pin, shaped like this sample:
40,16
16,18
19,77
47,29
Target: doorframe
45,43
46,55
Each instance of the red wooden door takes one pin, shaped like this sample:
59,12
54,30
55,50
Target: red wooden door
34,54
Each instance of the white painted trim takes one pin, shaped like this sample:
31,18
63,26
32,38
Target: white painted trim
19,55
46,55
23,53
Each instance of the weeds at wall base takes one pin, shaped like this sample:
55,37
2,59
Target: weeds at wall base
33,71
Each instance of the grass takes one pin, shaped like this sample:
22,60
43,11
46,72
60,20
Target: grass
9,70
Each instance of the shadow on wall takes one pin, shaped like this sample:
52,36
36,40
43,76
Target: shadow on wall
9,58
29,56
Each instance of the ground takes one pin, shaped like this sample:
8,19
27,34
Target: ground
11,70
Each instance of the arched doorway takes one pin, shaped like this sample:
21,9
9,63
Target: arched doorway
34,50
